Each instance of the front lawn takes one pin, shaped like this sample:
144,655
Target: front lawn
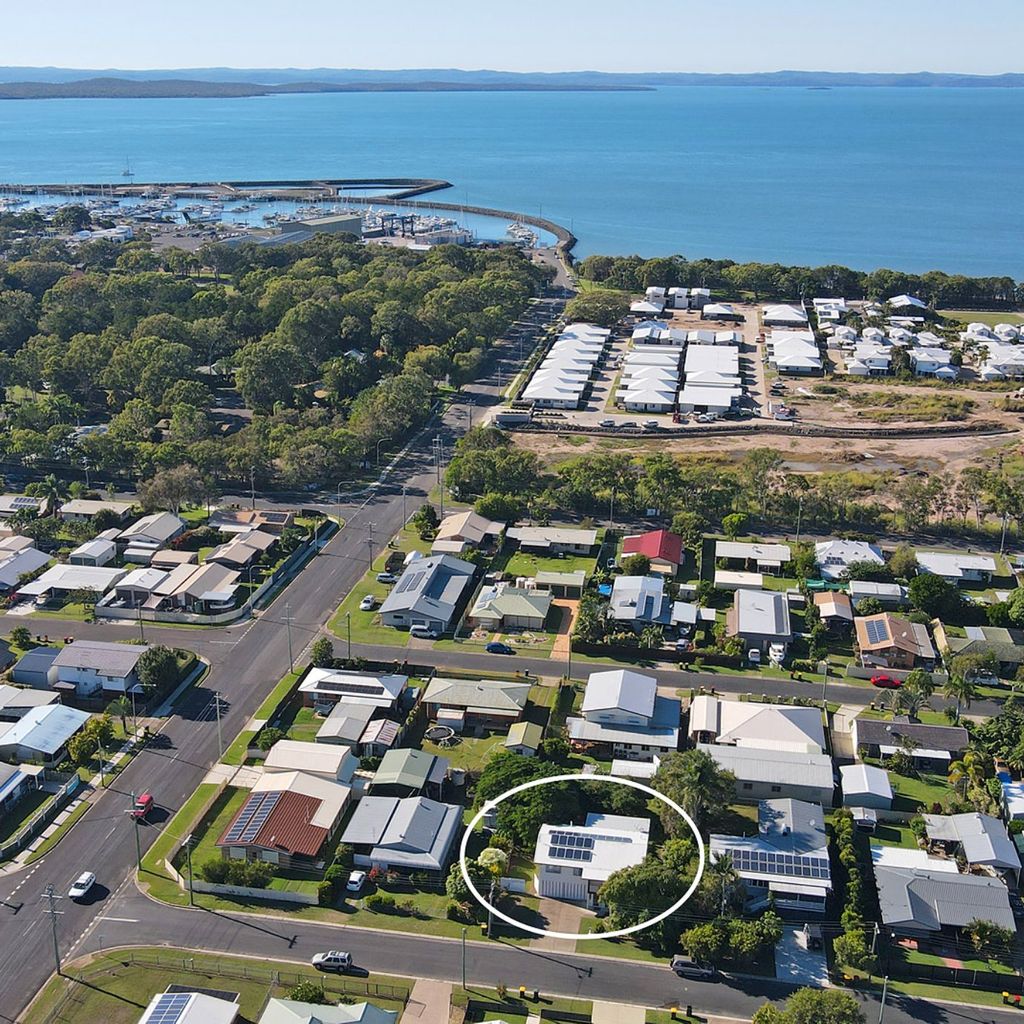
468,753
525,563
22,813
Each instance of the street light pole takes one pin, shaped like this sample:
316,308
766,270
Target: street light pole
138,843
379,443
885,991
220,736
464,930
188,858
405,518
348,626
288,623
252,486
51,897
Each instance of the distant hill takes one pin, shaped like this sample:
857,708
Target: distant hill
35,83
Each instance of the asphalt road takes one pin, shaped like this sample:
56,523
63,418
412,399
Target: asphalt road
246,661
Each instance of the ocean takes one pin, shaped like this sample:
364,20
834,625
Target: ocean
914,179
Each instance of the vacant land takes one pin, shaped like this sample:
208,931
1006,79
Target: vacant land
973,316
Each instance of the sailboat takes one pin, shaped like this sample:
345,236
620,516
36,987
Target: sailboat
127,172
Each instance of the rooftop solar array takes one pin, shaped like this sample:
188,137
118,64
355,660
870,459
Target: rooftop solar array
572,839
790,864
334,686
169,1008
252,818
877,631
409,581
25,503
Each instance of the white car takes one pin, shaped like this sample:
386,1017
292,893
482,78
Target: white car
423,632
332,961
355,882
368,603
81,886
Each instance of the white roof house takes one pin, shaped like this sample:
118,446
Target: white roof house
42,733
956,566
335,686
178,1007
63,579
887,594
326,760
783,315
834,557
793,351
907,302
864,785
767,556
15,564
573,861
982,839
93,552
630,693
720,311
758,726
760,617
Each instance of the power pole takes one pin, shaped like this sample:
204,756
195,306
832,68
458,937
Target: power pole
369,544
885,991
188,858
348,625
799,516
288,624
252,486
138,843
464,930
142,632
490,902
405,518
220,736
51,897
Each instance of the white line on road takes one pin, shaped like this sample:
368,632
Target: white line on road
123,920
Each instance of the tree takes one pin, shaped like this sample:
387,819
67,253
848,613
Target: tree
934,596
157,669
82,748
988,939
321,654
72,218
268,737
733,524
903,562
425,520
635,894
707,943
501,508
21,637
51,489
694,781
494,859
268,372
120,707
869,606
868,570
308,991
851,950
171,489
962,689
636,565
601,307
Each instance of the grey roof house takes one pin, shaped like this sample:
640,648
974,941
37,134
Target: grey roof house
411,834
404,772
930,744
90,667
42,734
760,618
427,593
475,702
35,668
981,839
641,601
770,774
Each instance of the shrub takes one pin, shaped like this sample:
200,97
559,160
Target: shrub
308,991
380,903
214,870
268,737
325,894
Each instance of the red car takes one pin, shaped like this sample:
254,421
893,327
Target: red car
886,682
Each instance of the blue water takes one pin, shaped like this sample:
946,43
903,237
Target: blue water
915,179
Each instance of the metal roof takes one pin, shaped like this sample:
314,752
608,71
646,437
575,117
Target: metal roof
101,656
45,729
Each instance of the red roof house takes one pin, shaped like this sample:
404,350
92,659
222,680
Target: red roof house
662,547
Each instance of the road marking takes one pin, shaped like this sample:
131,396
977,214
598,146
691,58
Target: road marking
123,920
113,829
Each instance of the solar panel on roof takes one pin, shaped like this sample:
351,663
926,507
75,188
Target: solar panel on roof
25,503
169,1008
877,633
572,839
338,687
567,853
252,817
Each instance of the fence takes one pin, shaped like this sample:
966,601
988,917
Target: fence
38,822
212,969
246,892
963,977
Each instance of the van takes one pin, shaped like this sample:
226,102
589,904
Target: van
142,806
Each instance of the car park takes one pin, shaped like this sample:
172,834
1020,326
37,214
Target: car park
81,886
884,682
368,603
356,880
497,647
387,577
333,960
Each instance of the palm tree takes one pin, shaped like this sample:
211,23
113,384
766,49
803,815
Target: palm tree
962,689
724,877
693,780
52,489
652,636
121,707
908,699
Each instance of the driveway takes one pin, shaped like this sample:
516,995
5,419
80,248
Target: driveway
798,965
560,648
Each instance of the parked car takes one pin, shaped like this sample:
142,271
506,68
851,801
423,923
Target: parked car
606,423
422,632
497,647
884,682
142,806
687,967
368,603
387,577
356,880
652,425
628,425
334,960
81,885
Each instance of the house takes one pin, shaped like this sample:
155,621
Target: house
16,782
786,864
890,641
150,533
35,668
703,398
93,552
464,530
1013,800
835,609
662,548
720,311
17,701
204,589
242,520
326,687
554,540
324,760
137,588
793,352
379,737
764,774
1004,644
889,595
290,1011
765,558
761,619
906,302
17,504
168,559
572,862
834,557
933,362
864,785
42,734
469,704
757,726
640,601
624,716
783,316
345,724
407,835
428,593
94,667
183,1005
869,359
15,564
60,581
980,839
502,606
726,579
524,738
286,820
957,567
407,772
81,510
243,550
932,747
6,657
924,903
561,584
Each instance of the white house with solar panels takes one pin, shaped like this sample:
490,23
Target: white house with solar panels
788,858
180,1005
573,861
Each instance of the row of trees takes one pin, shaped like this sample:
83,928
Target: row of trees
775,280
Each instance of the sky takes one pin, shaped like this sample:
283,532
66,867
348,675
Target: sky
982,37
